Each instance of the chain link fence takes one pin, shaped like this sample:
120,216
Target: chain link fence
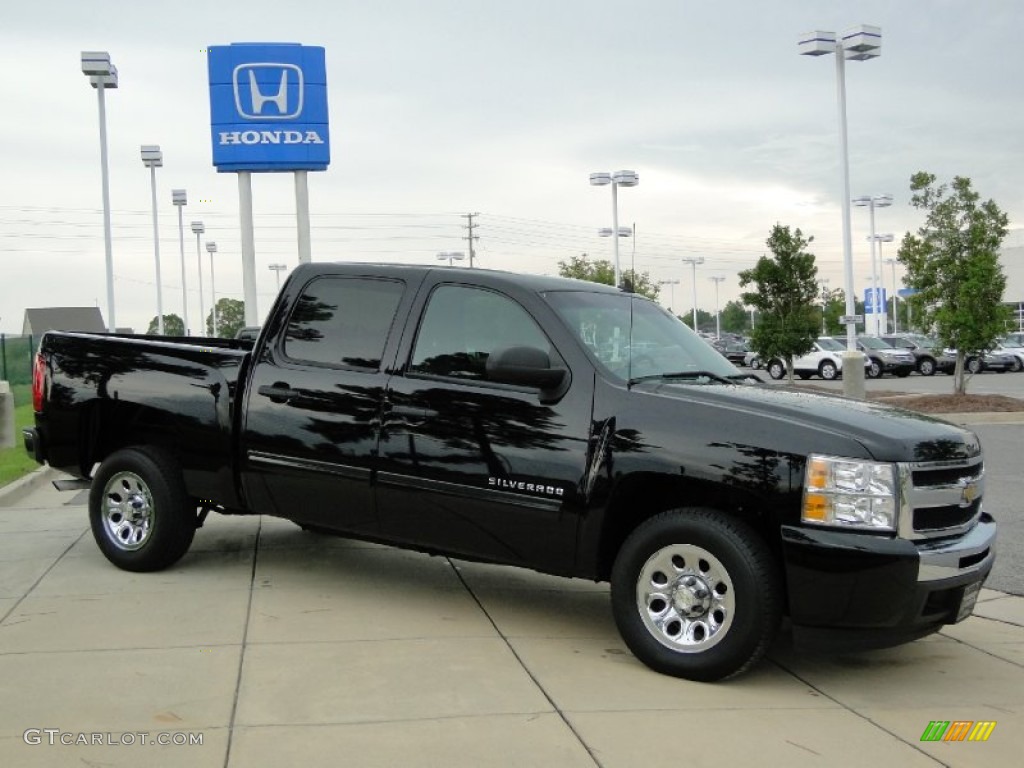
16,355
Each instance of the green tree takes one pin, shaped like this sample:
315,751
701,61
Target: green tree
705,320
602,271
786,296
735,318
953,262
230,318
173,326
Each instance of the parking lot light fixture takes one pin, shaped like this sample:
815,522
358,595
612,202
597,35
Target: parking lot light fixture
153,158
198,229
180,199
616,180
102,74
451,256
693,262
211,248
278,269
858,44
871,202
672,292
718,317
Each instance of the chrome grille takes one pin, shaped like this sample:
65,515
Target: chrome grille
940,498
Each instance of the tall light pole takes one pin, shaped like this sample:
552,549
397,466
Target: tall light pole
824,304
859,44
450,256
617,179
718,317
153,158
672,292
211,248
180,200
278,269
891,263
198,229
693,261
102,75
871,202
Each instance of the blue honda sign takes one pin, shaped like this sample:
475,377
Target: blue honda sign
874,303
268,107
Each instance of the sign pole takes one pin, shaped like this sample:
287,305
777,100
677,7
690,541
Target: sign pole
248,247
302,216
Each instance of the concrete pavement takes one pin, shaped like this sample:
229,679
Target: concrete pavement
282,647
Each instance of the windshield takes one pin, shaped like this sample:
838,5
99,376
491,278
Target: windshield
661,343
830,345
871,342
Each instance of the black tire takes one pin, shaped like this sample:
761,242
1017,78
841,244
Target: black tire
1017,365
874,371
974,365
755,363
902,373
828,370
732,609
140,514
776,369
926,366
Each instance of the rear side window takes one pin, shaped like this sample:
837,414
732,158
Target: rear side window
463,325
343,321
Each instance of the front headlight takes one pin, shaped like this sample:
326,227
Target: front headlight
849,493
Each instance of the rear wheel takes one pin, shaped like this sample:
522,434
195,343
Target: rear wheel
974,365
776,369
1016,365
926,366
696,594
140,514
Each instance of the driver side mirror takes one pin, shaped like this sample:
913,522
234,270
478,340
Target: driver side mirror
526,366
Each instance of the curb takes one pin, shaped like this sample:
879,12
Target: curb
23,486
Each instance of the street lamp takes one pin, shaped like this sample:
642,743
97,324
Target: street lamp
153,158
718,319
211,248
871,202
198,229
617,179
450,256
102,75
278,269
672,290
824,303
858,44
693,262
180,200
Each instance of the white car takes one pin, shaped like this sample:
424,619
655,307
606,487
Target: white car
825,360
1015,353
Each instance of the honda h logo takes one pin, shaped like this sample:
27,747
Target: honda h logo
277,97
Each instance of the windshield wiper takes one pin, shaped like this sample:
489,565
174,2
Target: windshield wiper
681,375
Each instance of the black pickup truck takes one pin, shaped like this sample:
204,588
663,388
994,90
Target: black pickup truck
546,423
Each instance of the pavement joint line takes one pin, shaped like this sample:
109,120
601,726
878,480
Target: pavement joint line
245,640
432,719
862,716
42,576
983,650
526,669
58,651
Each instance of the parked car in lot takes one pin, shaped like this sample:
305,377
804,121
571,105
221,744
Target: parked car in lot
825,359
884,358
929,356
993,360
1015,352
752,360
733,351
557,425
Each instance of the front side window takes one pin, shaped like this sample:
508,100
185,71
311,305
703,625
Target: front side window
342,321
462,326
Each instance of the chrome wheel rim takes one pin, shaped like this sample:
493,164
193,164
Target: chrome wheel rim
685,597
127,511
828,372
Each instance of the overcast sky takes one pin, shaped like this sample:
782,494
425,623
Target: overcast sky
443,107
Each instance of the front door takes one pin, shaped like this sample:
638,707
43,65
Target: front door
475,467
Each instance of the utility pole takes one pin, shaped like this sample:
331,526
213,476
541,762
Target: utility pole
694,261
470,237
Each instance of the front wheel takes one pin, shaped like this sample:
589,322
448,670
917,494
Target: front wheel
139,511
974,365
1016,365
874,370
828,370
776,369
926,367
696,594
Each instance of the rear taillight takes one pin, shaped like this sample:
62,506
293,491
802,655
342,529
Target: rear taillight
38,374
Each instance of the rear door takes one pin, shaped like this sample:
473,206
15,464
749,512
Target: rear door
313,412
471,466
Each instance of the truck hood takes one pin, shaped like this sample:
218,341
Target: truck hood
887,433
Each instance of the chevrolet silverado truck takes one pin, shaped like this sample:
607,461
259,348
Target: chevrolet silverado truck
551,424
